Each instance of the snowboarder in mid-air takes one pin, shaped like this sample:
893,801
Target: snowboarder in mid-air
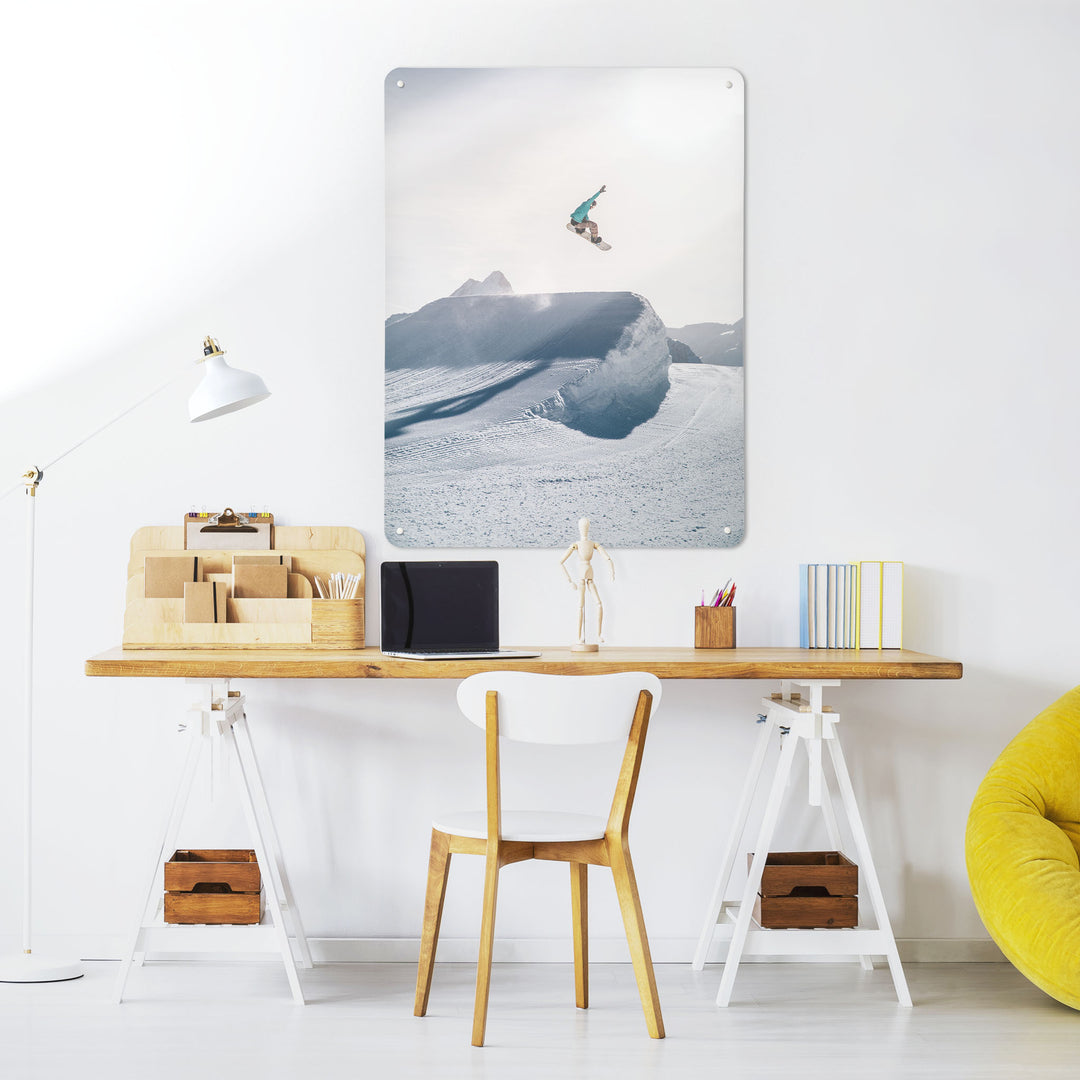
581,223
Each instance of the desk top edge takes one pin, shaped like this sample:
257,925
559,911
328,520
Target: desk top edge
665,662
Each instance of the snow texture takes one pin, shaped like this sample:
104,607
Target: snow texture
508,417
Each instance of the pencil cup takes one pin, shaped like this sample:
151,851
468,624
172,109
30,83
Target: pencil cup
714,628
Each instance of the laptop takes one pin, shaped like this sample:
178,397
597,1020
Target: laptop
442,611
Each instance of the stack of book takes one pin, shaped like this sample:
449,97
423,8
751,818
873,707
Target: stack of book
851,605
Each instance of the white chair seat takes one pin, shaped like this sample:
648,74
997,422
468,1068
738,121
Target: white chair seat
529,826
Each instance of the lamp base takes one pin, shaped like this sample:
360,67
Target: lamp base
28,968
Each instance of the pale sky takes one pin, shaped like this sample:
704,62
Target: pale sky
484,167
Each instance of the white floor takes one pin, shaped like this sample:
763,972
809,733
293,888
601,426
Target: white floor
236,1021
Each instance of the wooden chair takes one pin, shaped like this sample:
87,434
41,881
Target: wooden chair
564,710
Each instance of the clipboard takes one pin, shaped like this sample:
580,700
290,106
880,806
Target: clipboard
229,531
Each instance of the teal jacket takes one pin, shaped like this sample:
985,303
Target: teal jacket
582,212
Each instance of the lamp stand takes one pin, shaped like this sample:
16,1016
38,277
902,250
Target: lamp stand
25,967
222,390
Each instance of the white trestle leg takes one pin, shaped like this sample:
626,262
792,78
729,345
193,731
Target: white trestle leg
794,720
727,863
221,716
245,750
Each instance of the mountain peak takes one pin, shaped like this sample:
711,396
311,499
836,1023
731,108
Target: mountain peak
495,284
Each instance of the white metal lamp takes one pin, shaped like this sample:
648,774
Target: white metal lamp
224,389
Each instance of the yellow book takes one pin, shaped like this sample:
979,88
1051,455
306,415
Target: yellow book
870,605
892,605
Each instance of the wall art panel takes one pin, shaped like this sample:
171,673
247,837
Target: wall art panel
564,289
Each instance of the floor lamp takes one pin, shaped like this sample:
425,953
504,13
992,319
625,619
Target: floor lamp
223,389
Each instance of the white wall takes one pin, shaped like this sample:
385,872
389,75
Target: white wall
912,239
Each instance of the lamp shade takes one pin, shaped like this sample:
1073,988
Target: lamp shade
223,389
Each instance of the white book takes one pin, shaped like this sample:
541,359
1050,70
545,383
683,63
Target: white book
853,601
892,605
830,637
804,609
869,605
841,606
811,604
821,622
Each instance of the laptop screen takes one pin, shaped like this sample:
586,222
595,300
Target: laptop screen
440,606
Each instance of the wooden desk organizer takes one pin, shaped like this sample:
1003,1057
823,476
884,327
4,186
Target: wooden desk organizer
302,621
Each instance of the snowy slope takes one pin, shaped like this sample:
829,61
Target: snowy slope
674,481
508,417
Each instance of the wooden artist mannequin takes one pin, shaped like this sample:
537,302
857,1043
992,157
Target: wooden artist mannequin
585,548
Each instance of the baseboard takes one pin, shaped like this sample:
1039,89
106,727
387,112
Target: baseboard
615,951
950,951
528,950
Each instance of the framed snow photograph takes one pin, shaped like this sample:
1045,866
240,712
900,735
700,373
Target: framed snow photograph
564,291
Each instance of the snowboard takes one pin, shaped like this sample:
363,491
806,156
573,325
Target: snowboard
603,245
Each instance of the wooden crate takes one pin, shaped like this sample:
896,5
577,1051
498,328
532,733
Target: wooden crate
214,886
807,890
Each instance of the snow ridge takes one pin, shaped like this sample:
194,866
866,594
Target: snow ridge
595,362
621,389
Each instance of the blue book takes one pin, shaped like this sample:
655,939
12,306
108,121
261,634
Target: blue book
804,606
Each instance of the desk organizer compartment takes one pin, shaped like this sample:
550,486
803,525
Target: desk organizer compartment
298,621
807,890
213,886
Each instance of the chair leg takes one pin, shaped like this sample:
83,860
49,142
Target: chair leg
634,922
487,943
438,870
579,904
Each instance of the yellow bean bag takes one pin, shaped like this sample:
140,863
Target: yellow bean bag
1023,836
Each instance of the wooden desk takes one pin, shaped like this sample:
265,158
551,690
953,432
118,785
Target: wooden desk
796,720
666,663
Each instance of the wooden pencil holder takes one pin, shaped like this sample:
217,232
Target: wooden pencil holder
714,627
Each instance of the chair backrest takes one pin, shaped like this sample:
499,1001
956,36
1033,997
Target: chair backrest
565,710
